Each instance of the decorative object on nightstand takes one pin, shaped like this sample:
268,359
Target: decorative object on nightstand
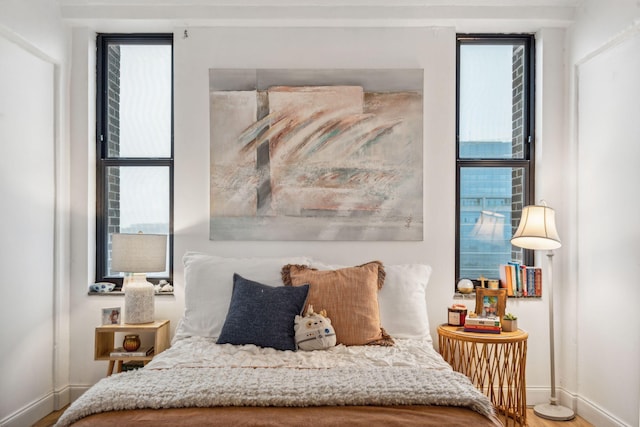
510,322
111,316
136,255
457,315
537,231
131,342
491,302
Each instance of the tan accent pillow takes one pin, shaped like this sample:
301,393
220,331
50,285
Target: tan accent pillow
350,297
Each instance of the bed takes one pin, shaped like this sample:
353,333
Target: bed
232,362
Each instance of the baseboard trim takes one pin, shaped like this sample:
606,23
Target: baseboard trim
61,398
596,415
31,413
35,411
76,391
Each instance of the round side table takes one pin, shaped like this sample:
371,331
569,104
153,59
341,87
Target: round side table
495,364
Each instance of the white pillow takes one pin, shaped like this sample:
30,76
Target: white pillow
402,299
209,284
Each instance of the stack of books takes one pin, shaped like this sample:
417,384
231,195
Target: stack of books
520,280
141,352
485,325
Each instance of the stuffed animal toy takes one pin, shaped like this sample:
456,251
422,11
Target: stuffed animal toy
314,331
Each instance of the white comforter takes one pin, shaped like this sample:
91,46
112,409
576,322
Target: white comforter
203,352
196,372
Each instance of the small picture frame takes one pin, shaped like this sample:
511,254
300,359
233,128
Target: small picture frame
111,316
491,302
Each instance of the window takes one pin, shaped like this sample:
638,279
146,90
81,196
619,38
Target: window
495,150
134,143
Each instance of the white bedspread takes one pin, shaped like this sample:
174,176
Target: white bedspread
203,352
196,372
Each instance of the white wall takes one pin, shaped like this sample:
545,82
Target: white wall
32,222
605,61
552,188
27,194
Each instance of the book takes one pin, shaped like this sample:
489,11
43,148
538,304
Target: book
506,280
531,281
482,329
538,281
515,277
482,321
141,352
483,326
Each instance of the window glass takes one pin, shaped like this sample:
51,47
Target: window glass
139,202
487,198
491,101
139,119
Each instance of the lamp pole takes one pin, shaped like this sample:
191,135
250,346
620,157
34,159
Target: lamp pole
551,410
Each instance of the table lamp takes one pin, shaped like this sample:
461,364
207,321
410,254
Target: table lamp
135,255
537,231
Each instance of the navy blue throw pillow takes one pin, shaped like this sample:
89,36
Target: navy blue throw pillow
263,315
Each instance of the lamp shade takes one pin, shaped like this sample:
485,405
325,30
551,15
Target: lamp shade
537,229
138,253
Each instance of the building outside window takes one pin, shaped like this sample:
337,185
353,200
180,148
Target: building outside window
495,150
134,143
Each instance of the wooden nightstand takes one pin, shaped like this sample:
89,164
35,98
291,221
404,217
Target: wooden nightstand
105,341
496,365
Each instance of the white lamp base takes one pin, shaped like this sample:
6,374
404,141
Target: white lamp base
138,300
553,412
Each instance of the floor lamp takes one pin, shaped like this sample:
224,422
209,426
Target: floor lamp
537,231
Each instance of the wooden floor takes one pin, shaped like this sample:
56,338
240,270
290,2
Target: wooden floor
50,419
532,419
535,421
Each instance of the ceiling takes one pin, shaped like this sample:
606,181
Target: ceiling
465,15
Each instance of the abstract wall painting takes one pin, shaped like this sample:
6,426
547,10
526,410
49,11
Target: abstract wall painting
316,154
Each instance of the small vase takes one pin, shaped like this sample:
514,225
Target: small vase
509,325
131,342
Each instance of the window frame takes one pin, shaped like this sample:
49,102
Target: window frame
527,163
103,162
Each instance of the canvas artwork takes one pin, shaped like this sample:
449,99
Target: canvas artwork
316,154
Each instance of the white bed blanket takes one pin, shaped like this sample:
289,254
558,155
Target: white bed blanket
162,384
203,352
